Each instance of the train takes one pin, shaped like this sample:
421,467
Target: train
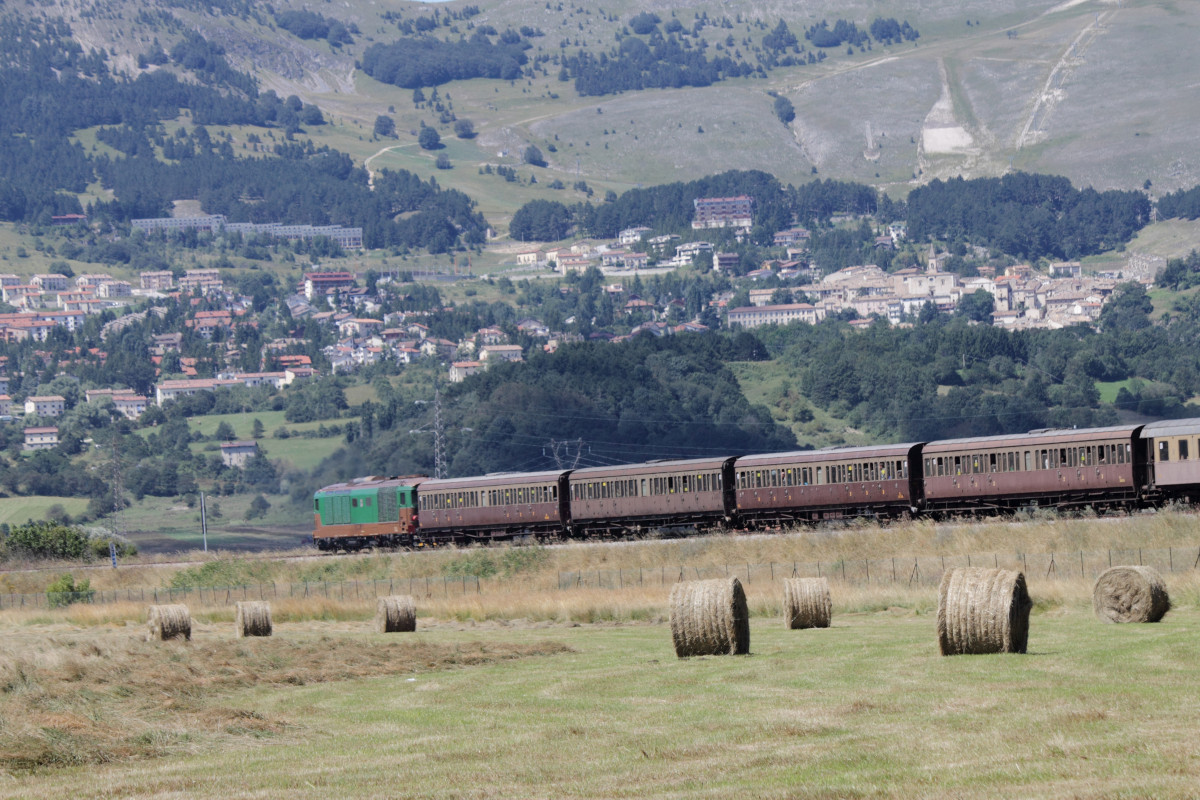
1119,468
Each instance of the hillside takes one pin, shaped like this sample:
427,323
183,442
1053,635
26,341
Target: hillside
1096,91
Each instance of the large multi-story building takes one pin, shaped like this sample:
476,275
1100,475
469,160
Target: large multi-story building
322,283
51,405
345,237
753,316
158,280
723,212
41,438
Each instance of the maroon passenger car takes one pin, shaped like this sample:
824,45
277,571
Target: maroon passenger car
493,506
1061,468
1173,458
633,497
825,484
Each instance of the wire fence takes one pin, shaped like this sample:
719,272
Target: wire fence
910,571
228,595
906,571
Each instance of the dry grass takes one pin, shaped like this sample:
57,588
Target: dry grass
72,697
532,593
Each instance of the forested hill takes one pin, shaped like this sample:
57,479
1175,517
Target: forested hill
51,89
945,377
648,398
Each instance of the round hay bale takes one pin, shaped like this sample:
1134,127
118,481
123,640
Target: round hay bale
253,619
710,618
169,622
806,603
396,614
1130,594
983,611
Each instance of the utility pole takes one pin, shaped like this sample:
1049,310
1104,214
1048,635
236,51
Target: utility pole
203,523
118,483
439,437
561,452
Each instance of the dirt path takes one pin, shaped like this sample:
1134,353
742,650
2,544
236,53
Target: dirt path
367,163
1052,91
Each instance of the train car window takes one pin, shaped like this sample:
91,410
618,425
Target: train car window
1164,451
903,469
672,484
1123,454
1183,449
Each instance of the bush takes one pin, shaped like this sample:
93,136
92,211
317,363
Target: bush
533,156
63,591
474,563
428,139
258,508
48,540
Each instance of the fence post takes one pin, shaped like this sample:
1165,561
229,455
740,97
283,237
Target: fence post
1081,564
747,573
867,563
893,569
1170,560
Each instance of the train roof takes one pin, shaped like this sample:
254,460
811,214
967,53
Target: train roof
828,453
651,467
494,479
1172,427
372,482
1052,436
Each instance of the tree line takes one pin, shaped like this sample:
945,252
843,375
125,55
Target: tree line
416,62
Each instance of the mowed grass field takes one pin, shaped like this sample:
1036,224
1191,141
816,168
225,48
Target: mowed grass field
527,690
866,708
